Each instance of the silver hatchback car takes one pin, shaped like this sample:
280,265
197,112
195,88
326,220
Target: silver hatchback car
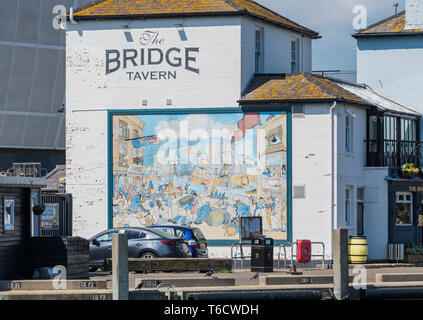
142,243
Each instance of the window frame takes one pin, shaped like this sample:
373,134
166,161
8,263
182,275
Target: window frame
349,134
11,226
348,209
404,193
360,202
259,50
295,55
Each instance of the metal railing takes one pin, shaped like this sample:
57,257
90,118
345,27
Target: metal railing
280,247
238,250
393,153
238,253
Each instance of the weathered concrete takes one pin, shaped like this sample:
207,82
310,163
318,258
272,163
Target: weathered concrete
295,279
399,277
120,266
79,295
340,263
174,264
181,281
40,285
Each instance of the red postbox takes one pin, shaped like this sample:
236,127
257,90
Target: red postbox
304,251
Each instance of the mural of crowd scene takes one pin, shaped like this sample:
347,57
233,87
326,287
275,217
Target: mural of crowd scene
202,170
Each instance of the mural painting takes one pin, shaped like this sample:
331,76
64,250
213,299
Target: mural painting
201,170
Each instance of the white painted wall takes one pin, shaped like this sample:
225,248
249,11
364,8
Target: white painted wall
90,93
218,60
376,211
414,14
350,164
277,49
311,167
352,172
392,67
226,62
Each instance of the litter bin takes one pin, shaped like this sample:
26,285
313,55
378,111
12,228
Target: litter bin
262,254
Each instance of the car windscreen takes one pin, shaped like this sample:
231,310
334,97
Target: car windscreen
198,234
163,234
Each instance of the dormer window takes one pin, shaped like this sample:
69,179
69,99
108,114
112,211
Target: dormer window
259,57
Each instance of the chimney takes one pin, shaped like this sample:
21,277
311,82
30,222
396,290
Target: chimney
414,14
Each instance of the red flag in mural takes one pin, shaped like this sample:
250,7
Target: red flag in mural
249,121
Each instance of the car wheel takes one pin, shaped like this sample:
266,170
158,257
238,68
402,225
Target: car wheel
148,255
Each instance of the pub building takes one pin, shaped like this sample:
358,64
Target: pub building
198,113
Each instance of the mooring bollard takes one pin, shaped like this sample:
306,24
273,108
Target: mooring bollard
340,264
120,266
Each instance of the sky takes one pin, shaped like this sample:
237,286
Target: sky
333,19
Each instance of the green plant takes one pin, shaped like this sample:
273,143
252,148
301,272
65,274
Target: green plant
413,248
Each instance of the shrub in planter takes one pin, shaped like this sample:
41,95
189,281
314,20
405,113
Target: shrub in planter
38,209
408,170
414,252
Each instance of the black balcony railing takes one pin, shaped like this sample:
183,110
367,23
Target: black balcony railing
393,153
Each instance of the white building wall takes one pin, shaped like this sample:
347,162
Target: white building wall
311,167
352,172
90,93
414,14
392,67
350,164
376,211
277,49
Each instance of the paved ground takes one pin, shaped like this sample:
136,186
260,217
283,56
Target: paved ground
243,277
243,282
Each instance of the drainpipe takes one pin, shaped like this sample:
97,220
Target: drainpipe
332,194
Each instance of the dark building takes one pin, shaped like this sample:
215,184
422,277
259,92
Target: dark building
17,197
32,83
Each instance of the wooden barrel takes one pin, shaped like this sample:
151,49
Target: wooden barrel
357,250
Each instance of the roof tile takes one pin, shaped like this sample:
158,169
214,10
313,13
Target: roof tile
394,25
296,87
122,8
307,87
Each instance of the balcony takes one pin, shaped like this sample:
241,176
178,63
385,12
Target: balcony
393,153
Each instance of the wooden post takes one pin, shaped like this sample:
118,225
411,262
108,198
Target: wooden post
120,266
340,263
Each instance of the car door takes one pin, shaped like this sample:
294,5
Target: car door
136,242
103,247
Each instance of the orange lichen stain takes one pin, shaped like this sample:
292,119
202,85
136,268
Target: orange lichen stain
394,24
297,87
153,7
